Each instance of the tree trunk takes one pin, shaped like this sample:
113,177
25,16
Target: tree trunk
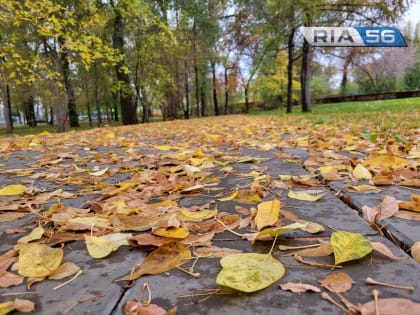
128,106
197,83
187,94
7,107
65,71
88,105
216,103
97,105
115,102
290,48
306,76
246,99
203,97
51,120
29,110
226,91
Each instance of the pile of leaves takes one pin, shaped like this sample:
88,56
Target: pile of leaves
135,178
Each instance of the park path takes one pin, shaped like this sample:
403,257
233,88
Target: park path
250,155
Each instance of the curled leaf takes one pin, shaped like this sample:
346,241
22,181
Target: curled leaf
305,195
299,287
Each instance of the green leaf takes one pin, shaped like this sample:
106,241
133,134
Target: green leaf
249,272
349,246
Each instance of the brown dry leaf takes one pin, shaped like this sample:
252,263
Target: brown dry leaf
415,182
322,250
11,216
386,161
138,308
215,252
384,250
65,270
415,251
408,215
361,188
381,180
391,306
337,282
165,258
299,287
388,207
413,205
24,306
9,279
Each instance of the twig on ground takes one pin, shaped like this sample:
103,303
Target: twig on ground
67,282
389,285
314,264
375,294
71,306
327,297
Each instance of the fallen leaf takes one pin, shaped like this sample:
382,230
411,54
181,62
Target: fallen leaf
99,247
337,282
215,252
12,190
249,272
267,213
322,250
386,161
178,233
165,258
24,306
361,172
349,246
38,260
364,187
63,271
391,306
36,234
388,207
415,251
408,215
6,307
273,232
299,287
9,279
310,227
197,215
139,308
413,205
384,250
305,195
99,173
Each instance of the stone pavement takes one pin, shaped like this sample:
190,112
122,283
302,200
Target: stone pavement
96,292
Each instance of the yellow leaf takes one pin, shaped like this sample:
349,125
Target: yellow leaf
415,251
231,197
99,247
38,260
36,234
363,187
163,148
249,272
99,173
198,215
275,231
349,246
178,233
12,190
387,161
267,214
361,172
305,196
6,307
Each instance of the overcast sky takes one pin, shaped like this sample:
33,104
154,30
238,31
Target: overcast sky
414,13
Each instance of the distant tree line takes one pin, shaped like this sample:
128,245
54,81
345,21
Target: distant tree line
123,60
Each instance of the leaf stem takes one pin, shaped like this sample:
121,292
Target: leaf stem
69,281
389,285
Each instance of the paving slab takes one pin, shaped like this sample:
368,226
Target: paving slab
96,292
